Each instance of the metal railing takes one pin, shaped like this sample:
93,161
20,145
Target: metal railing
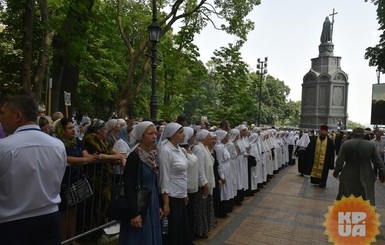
90,215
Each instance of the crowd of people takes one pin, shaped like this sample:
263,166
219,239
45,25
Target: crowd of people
359,159
196,173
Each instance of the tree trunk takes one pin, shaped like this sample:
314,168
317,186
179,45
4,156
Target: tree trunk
27,45
131,87
45,44
65,72
70,80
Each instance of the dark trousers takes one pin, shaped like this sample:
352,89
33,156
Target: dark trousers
376,169
39,230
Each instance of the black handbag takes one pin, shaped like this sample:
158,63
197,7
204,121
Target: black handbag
78,191
143,196
118,209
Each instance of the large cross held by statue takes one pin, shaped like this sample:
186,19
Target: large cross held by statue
332,26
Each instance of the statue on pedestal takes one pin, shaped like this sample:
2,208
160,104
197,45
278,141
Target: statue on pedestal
326,34
327,29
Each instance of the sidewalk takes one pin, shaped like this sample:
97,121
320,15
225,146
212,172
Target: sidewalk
288,210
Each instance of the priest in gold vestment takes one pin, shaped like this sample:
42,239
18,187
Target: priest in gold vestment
320,155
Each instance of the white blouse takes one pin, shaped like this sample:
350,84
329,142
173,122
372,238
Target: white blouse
192,173
173,171
223,157
206,166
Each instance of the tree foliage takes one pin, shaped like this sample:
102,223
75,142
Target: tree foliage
352,125
229,75
376,54
99,51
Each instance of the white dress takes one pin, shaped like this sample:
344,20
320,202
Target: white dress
242,179
263,176
225,171
255,170
233,165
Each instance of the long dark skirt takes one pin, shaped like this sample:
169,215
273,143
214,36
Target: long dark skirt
303,167
191,212
204,215
291,151
178,224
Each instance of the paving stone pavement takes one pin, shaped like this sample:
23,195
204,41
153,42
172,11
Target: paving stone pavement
288,210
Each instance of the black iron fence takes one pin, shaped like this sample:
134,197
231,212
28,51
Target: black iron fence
89,215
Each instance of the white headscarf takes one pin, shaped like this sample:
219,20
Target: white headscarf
202,134
253,137
242,127
169,130
188,133
138,131
122,122
110,124
304,140
221,134
233,134
291,138
254,147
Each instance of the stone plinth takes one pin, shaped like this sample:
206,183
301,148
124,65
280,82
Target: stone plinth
324,91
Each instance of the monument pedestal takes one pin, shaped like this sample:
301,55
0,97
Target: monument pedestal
324,92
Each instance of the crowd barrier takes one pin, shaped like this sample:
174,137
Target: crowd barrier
90,215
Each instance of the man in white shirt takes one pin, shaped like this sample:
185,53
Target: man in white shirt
32,165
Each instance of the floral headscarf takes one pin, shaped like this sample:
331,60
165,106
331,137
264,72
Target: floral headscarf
59,132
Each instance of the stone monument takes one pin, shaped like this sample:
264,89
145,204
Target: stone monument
325,87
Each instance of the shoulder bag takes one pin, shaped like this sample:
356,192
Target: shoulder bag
78,191
118,209
143,195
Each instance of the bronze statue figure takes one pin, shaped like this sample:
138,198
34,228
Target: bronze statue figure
326,34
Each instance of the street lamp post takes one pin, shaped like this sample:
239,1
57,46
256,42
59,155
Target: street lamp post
378,72
261,69
154,32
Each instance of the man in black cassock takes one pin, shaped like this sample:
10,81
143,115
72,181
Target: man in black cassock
320,155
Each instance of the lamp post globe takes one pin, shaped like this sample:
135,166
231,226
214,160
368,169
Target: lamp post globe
154,31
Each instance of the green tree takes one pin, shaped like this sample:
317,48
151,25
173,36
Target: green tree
193,16
229,74
103,63
352,124
291,114
181,75
70,43
376,54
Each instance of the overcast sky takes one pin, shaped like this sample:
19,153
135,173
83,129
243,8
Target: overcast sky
288,32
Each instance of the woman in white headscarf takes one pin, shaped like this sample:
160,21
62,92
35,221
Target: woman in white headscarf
267,156
192,175
225,175
291,141
242,143
141,166
302,143
255,169
205,207
262,177
234,151
276,150
173,183
113,130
